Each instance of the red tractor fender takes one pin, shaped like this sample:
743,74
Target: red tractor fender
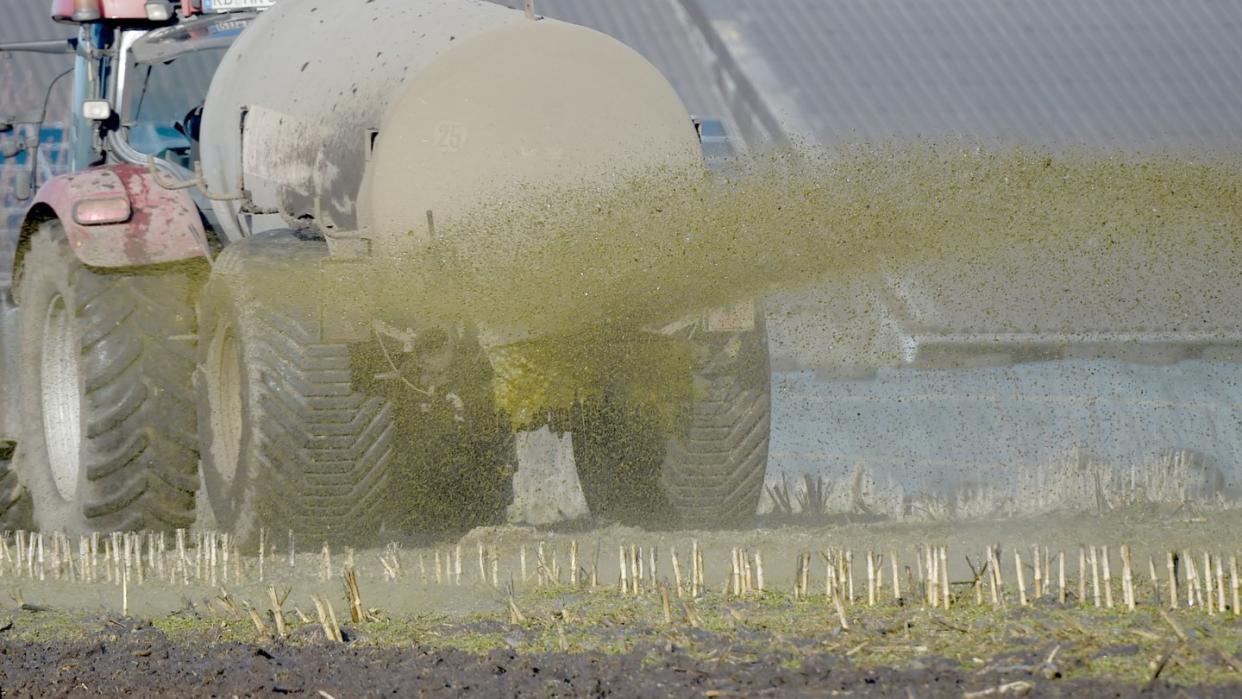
163,225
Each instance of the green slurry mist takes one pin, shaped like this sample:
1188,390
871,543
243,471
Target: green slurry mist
560,266
671,243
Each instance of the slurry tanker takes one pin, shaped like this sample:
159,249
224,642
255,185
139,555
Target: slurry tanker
195,303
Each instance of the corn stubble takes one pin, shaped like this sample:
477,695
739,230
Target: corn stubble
1208,580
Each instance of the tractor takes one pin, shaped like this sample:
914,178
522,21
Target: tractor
194,307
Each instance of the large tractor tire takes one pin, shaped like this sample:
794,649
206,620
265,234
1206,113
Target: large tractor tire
107,439
708,471
289,442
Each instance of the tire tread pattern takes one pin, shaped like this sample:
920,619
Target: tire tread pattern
319,449
714,469
140,453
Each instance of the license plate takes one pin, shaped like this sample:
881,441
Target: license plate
234,5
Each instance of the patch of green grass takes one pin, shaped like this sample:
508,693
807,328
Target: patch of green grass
49,624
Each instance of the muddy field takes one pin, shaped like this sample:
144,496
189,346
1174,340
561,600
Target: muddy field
1069,655
567,624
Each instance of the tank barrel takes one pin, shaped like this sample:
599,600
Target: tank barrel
350,126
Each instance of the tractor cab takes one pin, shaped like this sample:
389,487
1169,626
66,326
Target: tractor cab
140,75
166,76
142,72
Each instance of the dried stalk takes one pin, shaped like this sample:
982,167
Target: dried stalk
515,614
258,621
1220,584
623,583
1017,564
354,596
1209,600
1038,578
1108,577
1061,577
870,579
759,585
278,616
573,562
946,593
327,619
676,571
1127,578
1193,591
1155,581
892,559
1095,577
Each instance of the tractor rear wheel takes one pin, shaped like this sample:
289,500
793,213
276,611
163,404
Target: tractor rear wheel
289,442
107,440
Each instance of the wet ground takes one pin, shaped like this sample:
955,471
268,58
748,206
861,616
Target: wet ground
115,656
145,665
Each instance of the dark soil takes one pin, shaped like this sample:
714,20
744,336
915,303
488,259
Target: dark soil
134,657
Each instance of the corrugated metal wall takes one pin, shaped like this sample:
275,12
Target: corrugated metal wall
1121,73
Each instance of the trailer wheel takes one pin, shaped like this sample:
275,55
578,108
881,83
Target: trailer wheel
289,443
714,466
707,473
107,440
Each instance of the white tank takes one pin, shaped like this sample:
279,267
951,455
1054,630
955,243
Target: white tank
362,115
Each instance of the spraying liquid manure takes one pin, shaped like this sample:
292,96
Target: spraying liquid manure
589,267
361,272
430,346
570,309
